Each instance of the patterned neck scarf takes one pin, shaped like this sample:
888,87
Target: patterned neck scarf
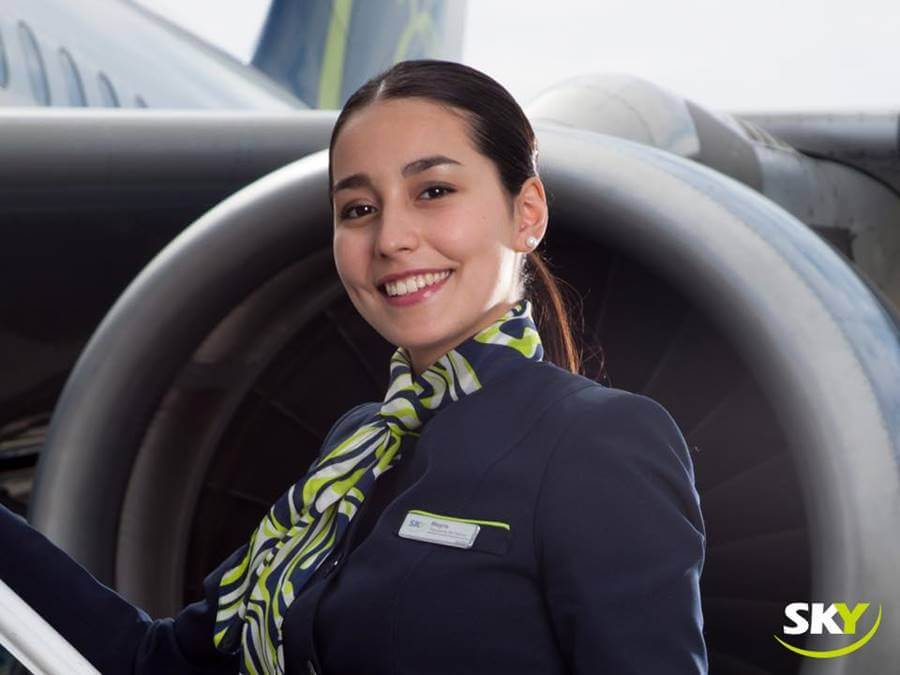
309,520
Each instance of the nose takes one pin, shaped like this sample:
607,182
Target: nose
398,231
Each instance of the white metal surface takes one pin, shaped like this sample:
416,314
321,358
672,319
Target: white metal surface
34,642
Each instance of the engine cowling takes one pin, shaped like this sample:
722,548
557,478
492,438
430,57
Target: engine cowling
778,363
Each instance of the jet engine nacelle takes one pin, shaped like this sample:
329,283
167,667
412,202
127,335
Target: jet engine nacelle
190,409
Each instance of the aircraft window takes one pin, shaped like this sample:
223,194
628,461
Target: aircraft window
139,102
73,79
37,74
107,93
4,69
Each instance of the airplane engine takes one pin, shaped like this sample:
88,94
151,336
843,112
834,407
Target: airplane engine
835,185
190,410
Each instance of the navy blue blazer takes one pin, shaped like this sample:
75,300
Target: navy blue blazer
597,571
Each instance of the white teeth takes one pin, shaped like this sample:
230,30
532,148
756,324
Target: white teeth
414,283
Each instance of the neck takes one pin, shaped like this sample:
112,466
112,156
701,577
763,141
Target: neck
422,360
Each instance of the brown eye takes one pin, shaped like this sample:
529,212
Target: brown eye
345,214
443,188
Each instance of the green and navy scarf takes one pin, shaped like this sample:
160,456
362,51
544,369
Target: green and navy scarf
309,520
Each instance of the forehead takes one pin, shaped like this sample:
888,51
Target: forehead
397,130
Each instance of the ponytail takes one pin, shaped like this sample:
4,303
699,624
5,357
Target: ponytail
551,315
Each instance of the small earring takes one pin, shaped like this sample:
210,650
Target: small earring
532,241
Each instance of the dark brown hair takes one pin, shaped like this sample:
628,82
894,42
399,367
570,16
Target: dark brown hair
501,132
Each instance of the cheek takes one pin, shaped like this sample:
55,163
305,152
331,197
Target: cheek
350,255
465,235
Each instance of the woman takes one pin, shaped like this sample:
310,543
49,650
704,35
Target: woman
496,512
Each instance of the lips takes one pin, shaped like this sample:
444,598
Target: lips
417,296
411,275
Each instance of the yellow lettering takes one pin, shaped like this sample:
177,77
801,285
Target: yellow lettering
850,618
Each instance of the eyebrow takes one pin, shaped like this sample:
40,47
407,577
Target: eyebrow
416,166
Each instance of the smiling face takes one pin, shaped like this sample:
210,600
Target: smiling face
421,198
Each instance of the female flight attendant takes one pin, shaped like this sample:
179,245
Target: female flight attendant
496,512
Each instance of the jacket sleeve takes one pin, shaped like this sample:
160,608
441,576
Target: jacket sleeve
621,540
114,635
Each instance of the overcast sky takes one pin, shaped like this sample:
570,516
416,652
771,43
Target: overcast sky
725,54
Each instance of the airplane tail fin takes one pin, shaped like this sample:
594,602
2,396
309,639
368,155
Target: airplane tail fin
323,50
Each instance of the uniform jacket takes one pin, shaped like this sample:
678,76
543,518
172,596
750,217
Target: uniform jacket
587,561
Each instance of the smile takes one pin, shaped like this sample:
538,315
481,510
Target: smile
414,288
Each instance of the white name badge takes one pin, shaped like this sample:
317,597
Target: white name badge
439,530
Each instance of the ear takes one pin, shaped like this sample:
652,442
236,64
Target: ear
531,213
